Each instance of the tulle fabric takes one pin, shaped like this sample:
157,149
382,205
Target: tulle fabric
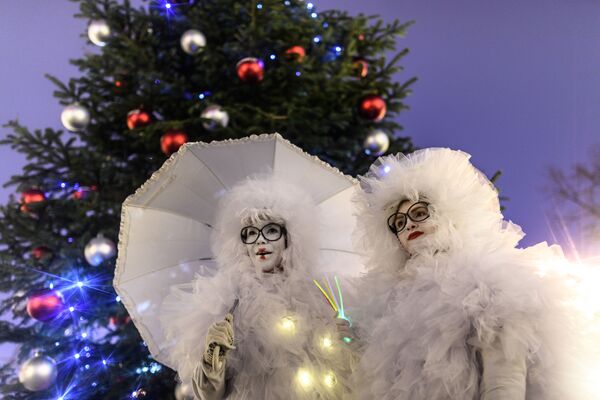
268,359
424,318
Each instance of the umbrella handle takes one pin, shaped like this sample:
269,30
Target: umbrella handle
215,357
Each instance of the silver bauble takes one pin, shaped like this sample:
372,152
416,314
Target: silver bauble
99,249
218,118
184,392
38,373
75,117
376,143
99,32
192,41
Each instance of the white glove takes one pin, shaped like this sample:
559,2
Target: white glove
503,378
219,340
344,332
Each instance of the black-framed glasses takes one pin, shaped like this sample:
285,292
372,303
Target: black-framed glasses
270,232
417,212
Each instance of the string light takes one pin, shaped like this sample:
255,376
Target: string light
304,378
327,343
287,324
259,6
329,379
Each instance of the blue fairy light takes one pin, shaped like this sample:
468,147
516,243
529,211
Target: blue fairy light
314,15
298,73
83,335
338,49
80,284
309,6
76,356
287,2
272,56
63,185
71,309
259,6
118,299
201,96
317,39
325,25
168,6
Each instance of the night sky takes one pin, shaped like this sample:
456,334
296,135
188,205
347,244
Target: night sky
514,83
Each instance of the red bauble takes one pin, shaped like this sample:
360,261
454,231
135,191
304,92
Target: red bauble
138,118
84,192
45,306
118,320
361,67
372,107
250,70
31,196
41,253
171,141
296,53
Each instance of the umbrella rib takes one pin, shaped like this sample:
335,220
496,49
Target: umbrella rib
167,211
210,170
338,250
166,267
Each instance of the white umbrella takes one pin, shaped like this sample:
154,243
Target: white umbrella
166,224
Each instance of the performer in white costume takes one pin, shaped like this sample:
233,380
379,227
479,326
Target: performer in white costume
451,308
271,336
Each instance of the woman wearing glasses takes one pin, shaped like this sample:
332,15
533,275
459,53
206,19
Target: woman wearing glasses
452,309
272,336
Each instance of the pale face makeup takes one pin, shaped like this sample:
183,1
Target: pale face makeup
266,255
414,233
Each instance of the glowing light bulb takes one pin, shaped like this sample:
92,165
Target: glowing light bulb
326,343
304,378
287,324
329,379
347,339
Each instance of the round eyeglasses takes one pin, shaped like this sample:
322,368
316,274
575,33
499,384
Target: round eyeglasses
270,232
418,212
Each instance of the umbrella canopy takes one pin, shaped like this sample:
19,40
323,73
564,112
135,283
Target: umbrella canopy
166,224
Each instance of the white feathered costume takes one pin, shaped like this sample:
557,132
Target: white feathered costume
469,316
268,362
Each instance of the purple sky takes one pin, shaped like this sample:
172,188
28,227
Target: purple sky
515,83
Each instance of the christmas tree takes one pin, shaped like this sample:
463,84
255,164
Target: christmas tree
164,74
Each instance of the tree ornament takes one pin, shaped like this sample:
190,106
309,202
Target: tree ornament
41,253
45,305
138,118
99,249
376,143
250,70
296,53
171,141
215,117
38,373
99,32
361,67
118,320
75,117
31,196
192,41
139,394
184,392
83,192
372,107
